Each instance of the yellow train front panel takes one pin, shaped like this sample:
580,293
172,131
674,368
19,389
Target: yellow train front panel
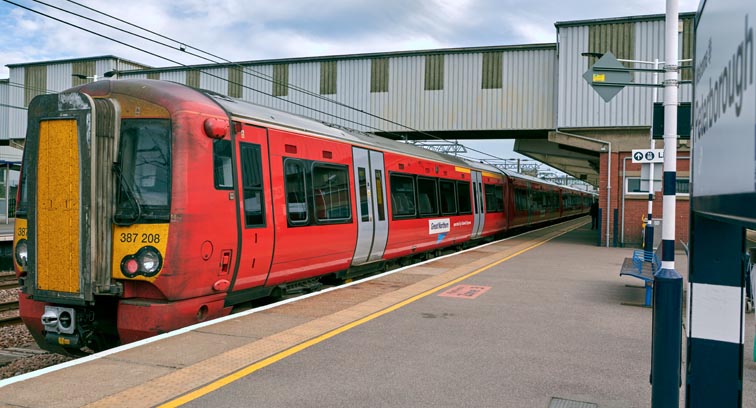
134,242
58,220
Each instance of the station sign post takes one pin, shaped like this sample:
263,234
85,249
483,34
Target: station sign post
723,201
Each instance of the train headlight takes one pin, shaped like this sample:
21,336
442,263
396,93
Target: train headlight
146,262
22,252
149,260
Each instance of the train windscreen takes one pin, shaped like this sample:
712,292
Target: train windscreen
145,169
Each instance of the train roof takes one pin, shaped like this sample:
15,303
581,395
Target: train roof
243,109
277,118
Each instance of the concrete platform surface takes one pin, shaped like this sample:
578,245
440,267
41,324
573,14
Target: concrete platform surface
539,318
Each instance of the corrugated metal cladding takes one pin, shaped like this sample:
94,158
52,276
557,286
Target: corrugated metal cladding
579,105
507,89
16,117
5,108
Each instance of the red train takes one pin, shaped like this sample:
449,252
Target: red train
145,206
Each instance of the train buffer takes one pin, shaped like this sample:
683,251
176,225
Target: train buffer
643,265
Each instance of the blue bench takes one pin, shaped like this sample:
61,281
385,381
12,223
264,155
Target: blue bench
643,265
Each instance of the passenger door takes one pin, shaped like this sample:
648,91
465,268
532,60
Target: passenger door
372,214
478,209
254,206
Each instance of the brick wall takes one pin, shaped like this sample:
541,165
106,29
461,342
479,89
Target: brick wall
636,206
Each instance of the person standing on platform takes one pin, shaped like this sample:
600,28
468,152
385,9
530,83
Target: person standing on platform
594,215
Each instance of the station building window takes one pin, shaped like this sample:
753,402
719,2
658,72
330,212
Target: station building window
379,74
492,74
281,80
235,82
633,186
328,77
434,72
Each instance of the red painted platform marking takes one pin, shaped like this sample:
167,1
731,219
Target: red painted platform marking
466,291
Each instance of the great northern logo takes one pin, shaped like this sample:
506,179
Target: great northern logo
439,226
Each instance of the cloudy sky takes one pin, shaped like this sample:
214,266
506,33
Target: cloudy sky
245,30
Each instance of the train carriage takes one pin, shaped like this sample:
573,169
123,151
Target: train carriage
146,206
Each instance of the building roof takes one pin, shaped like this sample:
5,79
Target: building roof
629,19
69,60
394,54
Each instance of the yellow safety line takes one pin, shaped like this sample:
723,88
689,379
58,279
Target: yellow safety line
286,353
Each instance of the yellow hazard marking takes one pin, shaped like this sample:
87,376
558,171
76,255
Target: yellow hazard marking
462,170
599,78
20,232
493,175
58,231
217,384
128,240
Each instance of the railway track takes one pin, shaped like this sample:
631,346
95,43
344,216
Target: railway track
9,307
8,280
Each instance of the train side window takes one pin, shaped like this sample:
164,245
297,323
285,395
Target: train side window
296,197
330,190
427,196
448,197
364,209
521,199
463,197
494,198
402,196
224,179
252,182
379,195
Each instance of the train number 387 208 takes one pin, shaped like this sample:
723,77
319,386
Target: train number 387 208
143,238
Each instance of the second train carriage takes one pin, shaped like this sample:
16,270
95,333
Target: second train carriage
146,206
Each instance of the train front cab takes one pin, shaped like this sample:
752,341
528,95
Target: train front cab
94,229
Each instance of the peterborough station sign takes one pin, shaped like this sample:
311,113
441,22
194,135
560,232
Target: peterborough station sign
724,148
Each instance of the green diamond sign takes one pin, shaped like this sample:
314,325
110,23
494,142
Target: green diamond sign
608,76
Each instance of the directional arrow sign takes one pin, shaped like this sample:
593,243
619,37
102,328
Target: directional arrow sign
608,76
648,156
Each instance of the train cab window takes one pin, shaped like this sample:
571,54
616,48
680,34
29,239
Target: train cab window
222,165
145,169
463,197
364,206
252,182
402,196
379,195
330,189
427,196
22,205
448,197
296,197
494,198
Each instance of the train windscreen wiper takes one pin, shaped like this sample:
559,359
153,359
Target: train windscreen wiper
131,196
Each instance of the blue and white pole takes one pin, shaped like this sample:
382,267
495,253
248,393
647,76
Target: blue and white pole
666,348
648,244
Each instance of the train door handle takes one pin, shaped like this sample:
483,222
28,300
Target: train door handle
225,262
